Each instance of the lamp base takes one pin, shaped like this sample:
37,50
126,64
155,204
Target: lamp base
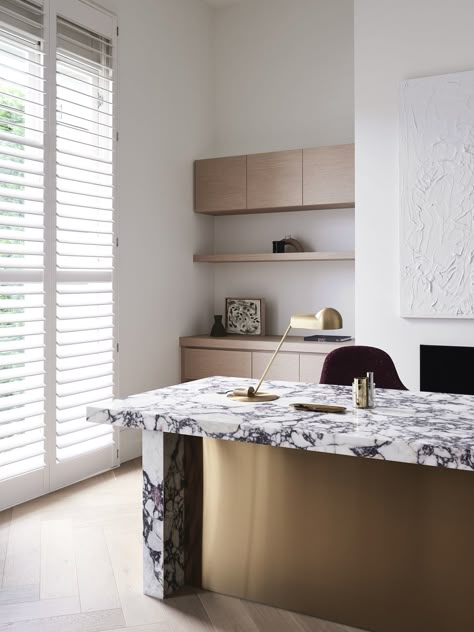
254,399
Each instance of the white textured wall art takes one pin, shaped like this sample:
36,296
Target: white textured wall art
437,196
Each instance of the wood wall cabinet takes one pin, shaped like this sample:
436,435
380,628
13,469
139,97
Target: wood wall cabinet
220,184
298,179
274,180
328,176
247,356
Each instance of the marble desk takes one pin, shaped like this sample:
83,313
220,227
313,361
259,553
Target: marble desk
410,427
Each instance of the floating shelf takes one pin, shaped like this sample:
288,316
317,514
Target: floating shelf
282,209
271,257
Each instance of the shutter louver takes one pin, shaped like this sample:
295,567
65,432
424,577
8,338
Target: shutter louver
22,362
85,237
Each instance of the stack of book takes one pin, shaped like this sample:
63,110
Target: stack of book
325,338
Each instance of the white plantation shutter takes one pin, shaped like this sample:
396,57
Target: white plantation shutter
22,313
57,211
85,236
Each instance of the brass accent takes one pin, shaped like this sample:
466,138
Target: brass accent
360,392
251,393
254,399
320,408
193,467
372,544
326,318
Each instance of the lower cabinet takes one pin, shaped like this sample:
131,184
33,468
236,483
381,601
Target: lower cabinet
311,365
199,363
247,356
286,366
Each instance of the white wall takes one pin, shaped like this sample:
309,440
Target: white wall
284,79
284,74
188,75
395,41
288,288
166,108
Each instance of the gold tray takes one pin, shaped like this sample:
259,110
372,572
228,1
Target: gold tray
319,408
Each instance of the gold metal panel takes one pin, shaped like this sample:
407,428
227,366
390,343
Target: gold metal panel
383,546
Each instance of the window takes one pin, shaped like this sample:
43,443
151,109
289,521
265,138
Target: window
57,242
84,190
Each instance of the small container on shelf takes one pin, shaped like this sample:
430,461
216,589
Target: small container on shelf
218,329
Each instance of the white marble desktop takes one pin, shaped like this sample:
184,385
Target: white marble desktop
411,427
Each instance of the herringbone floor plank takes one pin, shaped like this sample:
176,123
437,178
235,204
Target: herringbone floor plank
71,562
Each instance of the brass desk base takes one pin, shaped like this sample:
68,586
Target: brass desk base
383,546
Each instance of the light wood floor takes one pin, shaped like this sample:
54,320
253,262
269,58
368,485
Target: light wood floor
71,562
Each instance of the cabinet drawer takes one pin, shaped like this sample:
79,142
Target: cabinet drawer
311,365
274,180
198,363
220,184
284,367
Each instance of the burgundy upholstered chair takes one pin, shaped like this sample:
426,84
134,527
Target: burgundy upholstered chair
344,364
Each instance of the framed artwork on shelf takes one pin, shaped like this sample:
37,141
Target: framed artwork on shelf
245,316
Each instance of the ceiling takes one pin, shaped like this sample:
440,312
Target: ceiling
222,3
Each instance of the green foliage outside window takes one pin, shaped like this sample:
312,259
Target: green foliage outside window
12,120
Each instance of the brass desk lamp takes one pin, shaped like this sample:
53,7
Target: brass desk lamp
327,318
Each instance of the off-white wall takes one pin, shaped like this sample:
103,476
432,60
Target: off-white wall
166,108
284,79
284,73
258,76
395,41
288,288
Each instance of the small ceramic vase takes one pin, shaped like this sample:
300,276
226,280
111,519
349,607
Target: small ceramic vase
218,329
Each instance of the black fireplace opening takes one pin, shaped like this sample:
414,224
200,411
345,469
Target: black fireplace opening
445,369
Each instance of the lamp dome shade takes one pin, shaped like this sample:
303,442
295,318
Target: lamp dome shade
326,318
329,318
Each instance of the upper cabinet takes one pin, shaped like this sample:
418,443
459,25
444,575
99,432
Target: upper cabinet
220,185
328,176
320,178
274,180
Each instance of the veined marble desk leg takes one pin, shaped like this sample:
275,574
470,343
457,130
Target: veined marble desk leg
163,513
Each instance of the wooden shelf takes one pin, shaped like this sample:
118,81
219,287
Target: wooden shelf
282,209
271,257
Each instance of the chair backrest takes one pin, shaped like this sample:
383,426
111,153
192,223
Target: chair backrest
344,364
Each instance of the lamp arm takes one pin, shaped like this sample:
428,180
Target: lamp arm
272,358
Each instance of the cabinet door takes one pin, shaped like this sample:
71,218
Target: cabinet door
274,180
328,176
220,184
311,365
199,363
284,367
